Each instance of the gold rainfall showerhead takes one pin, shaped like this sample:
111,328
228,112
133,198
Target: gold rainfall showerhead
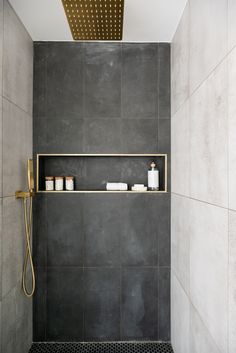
95,19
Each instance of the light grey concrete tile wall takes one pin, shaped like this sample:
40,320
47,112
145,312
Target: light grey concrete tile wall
208,38
16,64
232,127
210,192
209,139
180,63
180,317
232,281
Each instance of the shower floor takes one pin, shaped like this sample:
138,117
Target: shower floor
98,347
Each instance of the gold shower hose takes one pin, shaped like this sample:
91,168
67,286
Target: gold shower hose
28,252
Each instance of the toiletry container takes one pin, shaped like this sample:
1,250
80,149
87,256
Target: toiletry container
49,183
69,183
153,177
58,183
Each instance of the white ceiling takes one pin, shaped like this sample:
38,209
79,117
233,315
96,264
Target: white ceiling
144,20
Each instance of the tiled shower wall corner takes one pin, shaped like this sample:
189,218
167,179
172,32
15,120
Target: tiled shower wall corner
203,178
16,92
102,261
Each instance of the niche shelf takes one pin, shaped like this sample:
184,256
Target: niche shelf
92,171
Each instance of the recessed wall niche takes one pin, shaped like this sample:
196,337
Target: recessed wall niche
92,171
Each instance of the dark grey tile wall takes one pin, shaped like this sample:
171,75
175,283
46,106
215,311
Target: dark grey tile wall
102,261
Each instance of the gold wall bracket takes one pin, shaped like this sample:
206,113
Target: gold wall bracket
24,194
95,19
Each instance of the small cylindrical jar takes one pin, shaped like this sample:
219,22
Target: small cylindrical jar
58,183
69,183
49,183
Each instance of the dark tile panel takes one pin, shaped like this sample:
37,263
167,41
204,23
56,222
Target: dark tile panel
164,130
65,135
40,305
40,75
102,80
162,213
139,304
65,80
139,80
102,304
65,234
40,230
139,232
40,144
139,135
65,302
102,135
164,80
164,304
103,226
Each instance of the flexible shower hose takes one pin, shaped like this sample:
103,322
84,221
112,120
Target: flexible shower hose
28,252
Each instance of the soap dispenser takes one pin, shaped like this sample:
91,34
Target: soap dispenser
153,177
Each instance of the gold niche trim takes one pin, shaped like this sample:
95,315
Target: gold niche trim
95,19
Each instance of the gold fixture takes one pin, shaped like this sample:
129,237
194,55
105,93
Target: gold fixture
95,19
41,155
25,196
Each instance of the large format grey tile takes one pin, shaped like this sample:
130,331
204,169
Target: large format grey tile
161,210
40,306
164,304
209,268
180,151
139,80
1,324
139,135
102,304
232,282
164,134
23,320
208,38
139,218
8,322
17,147
164,80
103,225
180,63
64,135
65,303
1,142
1,257
180,239
40,230
40,132
102,136
200,338
17,61
65,232
40,71
180,317
13,243
231,24
139,304
1,43
64,81
232,128
208,139
102,67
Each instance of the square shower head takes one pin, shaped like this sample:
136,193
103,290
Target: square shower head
95,19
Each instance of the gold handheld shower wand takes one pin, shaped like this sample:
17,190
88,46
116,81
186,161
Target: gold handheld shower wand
25,196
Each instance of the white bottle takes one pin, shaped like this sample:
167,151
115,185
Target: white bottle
153,178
